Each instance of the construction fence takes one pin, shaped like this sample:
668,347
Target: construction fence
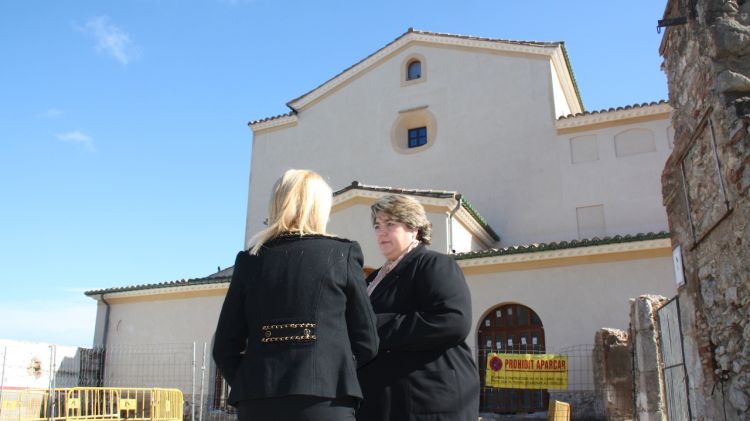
93,403
135,382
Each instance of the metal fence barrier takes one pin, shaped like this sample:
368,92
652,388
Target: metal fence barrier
93,403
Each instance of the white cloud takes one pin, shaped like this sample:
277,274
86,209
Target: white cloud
52,113
79,138
110,39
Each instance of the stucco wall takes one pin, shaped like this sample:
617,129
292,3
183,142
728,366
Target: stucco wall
628,187
173,321
496,143
346,135
573,302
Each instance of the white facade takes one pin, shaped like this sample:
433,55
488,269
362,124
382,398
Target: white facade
498,135
496,142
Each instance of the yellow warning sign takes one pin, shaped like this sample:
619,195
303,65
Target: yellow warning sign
527,371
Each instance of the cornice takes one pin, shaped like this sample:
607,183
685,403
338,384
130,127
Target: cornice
338,199
567,253
273,122
442,199
467,219
613,115
569,86
426,38
149,291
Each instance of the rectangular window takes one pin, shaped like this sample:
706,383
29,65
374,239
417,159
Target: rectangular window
417,137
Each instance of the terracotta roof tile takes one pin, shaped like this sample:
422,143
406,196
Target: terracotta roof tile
587,242
610,110
225,275
216,278
262,120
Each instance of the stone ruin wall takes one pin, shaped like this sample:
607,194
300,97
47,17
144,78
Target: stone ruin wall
705,189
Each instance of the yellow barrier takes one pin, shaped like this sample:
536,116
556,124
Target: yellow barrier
558,411
93,403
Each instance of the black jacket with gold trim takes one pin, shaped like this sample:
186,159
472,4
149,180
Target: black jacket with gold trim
296,320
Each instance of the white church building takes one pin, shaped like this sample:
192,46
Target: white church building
554,213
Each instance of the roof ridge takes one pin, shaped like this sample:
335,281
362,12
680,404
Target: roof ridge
480,38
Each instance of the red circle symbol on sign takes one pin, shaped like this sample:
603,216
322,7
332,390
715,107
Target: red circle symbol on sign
496,364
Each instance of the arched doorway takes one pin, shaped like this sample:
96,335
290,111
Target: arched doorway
511,329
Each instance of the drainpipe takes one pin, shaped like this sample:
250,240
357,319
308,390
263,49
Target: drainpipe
450,222
104,340
106,321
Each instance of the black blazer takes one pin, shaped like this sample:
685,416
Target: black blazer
299,310
424,369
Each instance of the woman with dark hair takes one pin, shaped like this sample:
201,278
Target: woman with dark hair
296,322
424,369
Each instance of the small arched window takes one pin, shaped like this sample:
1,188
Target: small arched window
414,70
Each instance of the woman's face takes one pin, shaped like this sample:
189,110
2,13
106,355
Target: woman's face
393,237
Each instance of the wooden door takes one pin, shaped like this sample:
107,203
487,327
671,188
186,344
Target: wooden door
510,329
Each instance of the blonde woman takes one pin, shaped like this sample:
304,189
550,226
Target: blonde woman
424,369
296,322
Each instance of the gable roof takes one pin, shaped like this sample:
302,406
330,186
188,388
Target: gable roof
555,50
438,194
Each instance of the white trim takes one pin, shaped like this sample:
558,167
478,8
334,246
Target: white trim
273,122
175,289
411,37
610,116
540,256
446,202
564,75
462,216
467,219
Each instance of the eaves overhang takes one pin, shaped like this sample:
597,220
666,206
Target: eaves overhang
448,200
559,251
621,115
555,51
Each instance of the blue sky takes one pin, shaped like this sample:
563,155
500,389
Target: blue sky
124,146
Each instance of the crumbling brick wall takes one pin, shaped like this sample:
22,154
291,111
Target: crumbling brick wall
705,189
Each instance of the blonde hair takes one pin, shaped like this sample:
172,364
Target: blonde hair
300,204
406,210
